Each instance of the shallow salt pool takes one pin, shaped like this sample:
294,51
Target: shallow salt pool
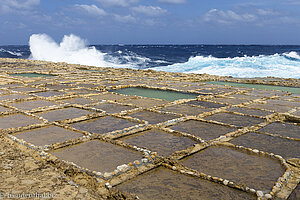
32,75
294,90
155,93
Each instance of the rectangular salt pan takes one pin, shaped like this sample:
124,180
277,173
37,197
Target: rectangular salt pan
155,93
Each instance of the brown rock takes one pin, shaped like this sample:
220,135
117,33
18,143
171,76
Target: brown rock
30,166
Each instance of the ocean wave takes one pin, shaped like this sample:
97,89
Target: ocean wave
74,50
277,65
292,56
13,53
162,62
131,59
127,58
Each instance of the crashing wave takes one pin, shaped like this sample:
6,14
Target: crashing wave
292,56
276,65
74,50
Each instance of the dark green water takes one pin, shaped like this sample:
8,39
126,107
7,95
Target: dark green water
154,93
32,75
258,86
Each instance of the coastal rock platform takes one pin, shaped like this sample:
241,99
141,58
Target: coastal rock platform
79,132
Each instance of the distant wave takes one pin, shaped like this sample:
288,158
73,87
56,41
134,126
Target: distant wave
127,59
285,65
13,53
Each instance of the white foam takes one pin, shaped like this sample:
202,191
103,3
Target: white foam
11,52
255,66
128,59
292,55
72,49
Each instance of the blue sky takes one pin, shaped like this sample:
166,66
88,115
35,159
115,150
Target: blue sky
153,21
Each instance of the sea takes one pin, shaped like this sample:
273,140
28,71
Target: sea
225,60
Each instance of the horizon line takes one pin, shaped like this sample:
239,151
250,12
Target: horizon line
149,44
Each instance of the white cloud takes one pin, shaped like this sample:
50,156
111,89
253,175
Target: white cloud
17,5
149,10
124,19
13,25
96,11
172,1
227,17
153,22
122,3
91,9
257,16
267,12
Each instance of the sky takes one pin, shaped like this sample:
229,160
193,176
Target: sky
153,21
